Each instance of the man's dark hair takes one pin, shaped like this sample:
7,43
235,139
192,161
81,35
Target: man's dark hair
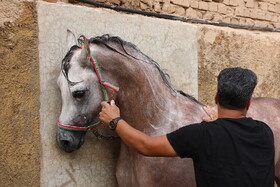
235,87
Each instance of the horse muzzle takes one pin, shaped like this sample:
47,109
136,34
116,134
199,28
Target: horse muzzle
69,141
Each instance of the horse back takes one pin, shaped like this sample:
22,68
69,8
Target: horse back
268,111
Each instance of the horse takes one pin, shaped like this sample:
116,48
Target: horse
107,67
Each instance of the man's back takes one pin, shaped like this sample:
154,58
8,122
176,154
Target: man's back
228,152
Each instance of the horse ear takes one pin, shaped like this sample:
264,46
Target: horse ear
84,57
70,39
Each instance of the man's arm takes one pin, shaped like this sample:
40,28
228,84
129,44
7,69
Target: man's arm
144,144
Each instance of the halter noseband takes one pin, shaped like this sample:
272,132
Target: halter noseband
105,94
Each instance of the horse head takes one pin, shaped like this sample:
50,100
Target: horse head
145,90
81,95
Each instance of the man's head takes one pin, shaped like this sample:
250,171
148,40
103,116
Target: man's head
235,87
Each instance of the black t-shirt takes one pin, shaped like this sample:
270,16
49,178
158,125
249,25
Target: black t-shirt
228,152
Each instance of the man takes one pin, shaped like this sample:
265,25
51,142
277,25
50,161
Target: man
231,151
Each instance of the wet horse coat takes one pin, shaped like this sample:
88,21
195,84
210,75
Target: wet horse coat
147,101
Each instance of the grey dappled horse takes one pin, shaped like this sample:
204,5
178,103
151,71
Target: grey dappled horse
110,68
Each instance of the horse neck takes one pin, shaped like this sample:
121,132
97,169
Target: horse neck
145,101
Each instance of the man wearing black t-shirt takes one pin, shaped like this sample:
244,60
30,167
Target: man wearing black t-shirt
231,151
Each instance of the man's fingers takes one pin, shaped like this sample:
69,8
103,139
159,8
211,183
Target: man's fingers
206,119
112,102
104,103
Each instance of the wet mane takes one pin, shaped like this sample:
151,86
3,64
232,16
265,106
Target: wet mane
104,40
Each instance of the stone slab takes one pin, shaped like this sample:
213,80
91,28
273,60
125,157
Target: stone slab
172,44
221,47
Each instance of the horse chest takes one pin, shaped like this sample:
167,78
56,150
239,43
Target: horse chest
136,170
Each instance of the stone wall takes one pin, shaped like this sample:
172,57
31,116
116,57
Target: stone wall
258,13
19,98
32,36
221,47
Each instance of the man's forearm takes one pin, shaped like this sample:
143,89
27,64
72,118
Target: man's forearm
144,144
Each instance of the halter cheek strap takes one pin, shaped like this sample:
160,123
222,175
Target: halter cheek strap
100,78
103,85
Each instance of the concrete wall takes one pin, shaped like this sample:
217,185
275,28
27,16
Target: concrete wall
173,44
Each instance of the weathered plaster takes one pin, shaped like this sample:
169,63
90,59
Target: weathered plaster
19,98
224,47
172,44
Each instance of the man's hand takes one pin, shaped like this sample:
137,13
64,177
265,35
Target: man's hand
109,112
212,113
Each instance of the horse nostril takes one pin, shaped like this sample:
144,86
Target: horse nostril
65,143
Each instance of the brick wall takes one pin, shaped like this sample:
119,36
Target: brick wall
259,13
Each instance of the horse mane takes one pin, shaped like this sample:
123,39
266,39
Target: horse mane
104,40
65,64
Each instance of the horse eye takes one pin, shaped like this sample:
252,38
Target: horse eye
78,94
